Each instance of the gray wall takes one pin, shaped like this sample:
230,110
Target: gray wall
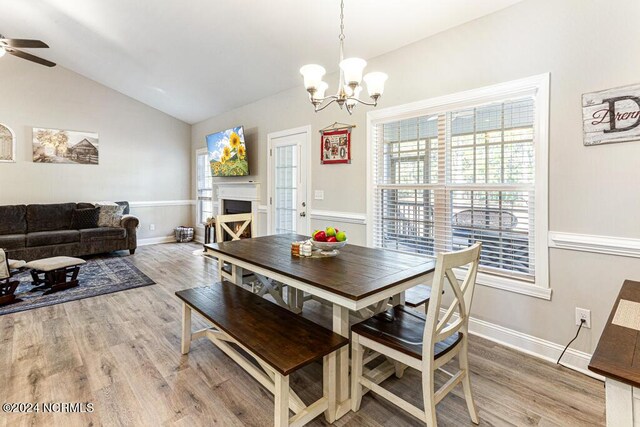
144,154
586,46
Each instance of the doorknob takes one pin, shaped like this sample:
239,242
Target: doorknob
303,214
304,204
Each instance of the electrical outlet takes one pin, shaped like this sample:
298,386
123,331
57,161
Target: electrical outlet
319,195
583,313
152,227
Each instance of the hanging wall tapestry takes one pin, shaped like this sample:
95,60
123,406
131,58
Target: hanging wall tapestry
65,146
7,144
611,115
335,143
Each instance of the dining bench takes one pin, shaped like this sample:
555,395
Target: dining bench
280,341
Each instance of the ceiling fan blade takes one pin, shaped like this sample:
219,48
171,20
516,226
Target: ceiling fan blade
29,57
23,43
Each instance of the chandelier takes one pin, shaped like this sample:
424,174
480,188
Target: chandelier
349,87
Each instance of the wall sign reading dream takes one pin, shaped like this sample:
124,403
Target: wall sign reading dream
611,115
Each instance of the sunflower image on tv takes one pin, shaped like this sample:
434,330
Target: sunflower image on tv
228,153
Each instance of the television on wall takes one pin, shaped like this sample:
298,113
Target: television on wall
228,153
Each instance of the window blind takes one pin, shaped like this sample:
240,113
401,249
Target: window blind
443,181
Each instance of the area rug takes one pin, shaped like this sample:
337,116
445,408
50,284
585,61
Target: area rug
100,275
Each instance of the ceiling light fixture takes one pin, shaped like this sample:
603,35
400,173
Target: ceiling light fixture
349,87
2,51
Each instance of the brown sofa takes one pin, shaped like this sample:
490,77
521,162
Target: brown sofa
31,232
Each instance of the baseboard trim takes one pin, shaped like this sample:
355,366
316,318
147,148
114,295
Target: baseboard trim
607,245
533,346
156,203
156,240
346,217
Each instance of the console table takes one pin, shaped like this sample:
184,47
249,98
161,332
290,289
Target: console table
617,358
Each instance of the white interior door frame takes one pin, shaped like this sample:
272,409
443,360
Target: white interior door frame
308,148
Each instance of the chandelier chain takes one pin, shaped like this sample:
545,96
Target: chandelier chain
341,36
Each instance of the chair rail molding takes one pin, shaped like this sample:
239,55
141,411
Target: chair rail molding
608,245
346,217
155,203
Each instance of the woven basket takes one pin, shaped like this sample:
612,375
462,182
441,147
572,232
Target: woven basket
184,234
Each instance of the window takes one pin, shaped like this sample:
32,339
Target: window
471,167
204,191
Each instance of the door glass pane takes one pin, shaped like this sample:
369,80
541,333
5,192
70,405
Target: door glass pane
286,187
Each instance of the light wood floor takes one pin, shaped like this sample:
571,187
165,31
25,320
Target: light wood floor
122,352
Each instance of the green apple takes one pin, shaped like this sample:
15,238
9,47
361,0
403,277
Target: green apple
341,236
330,231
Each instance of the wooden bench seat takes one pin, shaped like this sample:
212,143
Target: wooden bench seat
418,295
280,341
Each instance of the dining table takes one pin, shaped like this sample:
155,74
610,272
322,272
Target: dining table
359,280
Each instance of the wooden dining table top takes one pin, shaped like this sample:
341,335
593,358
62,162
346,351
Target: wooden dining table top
356,273
617,355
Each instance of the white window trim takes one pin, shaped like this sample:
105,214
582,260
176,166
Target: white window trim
538,86
214,202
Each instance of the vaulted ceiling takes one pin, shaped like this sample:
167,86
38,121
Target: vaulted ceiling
194,59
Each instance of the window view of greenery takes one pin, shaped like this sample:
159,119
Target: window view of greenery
447,180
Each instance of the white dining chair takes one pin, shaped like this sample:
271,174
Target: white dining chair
425,343
224,225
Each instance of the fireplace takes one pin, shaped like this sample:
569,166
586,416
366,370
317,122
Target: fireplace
239,197
236,206
230,207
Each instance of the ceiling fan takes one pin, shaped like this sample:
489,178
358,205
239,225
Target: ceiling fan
10,46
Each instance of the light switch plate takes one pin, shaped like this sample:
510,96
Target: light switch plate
319,195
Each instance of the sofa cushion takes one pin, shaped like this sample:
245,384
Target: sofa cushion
49,217
102,233
110,214
85,205
85,218
13,219
47,238
13,241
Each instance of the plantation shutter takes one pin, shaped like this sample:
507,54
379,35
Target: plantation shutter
443,181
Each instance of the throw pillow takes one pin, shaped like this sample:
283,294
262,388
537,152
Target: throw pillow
110,214
85,218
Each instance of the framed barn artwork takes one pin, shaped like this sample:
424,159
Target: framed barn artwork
335,144
611,115
65,146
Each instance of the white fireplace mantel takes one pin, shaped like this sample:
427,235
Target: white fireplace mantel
245,191
249,191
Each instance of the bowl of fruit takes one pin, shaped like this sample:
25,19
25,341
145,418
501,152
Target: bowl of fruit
329,240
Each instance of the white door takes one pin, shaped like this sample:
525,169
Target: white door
288,174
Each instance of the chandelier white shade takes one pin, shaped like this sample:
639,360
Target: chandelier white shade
349,86
2,51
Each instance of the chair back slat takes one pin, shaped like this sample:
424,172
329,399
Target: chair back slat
440,328
222,222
